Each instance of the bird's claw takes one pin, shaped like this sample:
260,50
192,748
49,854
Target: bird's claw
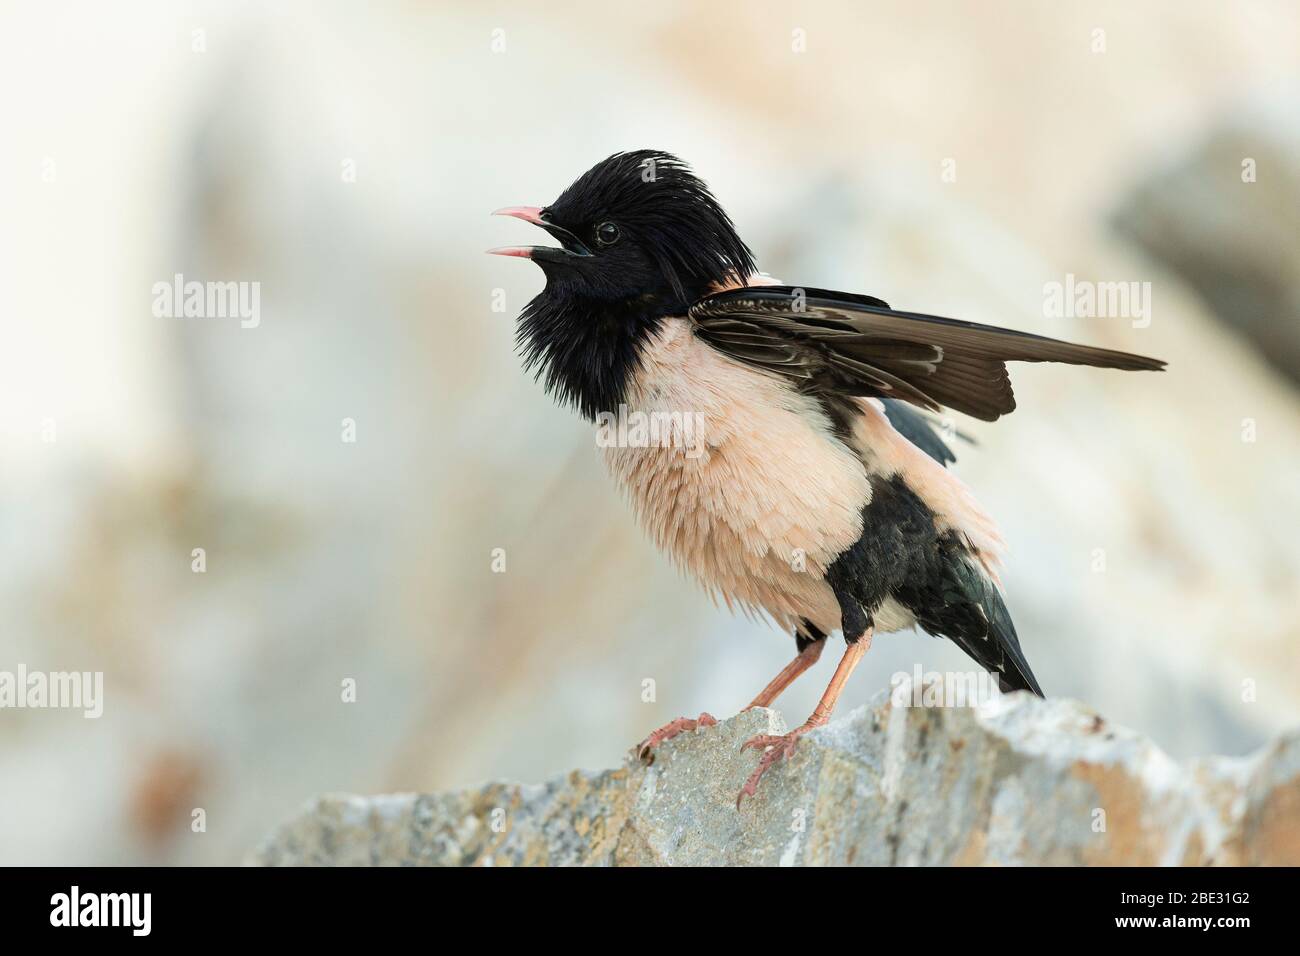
775,747
645,751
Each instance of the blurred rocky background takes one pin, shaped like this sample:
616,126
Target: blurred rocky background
948,157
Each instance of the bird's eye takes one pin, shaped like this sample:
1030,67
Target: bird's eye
607,233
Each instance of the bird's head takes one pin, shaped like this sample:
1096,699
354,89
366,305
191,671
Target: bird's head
638,225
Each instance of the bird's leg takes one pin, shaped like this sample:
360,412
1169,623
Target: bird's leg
777,747
805,659
645,750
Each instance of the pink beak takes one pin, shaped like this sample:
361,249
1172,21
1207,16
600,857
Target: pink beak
531,214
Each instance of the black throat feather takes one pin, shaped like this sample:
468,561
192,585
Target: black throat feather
585,352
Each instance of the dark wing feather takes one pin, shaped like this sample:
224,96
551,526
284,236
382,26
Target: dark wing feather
836,343
918,429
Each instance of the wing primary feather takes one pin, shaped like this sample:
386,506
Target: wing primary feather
856,345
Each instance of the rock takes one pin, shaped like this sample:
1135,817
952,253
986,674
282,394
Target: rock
1018,781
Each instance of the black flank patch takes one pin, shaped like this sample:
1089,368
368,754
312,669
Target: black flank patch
934,575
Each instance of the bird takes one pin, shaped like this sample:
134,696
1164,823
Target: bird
815,491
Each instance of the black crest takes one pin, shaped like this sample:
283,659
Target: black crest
664,210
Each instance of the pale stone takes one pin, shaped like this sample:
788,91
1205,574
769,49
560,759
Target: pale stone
1017,781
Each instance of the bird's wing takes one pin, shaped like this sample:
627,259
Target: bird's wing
840,344
919,429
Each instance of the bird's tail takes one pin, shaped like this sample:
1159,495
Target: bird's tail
1015,673
976,619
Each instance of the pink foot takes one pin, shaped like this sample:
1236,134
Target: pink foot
670,730
775,748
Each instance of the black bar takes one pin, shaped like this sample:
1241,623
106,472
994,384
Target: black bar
215,905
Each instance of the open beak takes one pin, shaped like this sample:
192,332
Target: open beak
571,247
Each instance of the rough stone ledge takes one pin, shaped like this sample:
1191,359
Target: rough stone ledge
1016,781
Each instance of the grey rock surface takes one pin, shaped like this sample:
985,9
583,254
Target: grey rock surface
1015,781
